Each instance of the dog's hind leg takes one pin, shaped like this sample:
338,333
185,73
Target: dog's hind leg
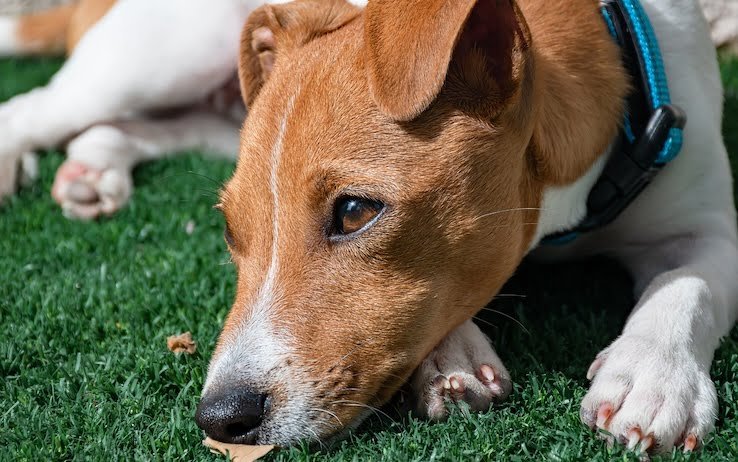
44,118
115,73
96,179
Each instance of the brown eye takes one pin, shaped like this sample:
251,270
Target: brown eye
354,214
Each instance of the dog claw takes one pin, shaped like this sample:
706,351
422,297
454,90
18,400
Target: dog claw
458,389
487,374
442,382
603,415
497,383
634,437
690,443
647,443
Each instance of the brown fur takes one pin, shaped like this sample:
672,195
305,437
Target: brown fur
58,30
456,145
46,32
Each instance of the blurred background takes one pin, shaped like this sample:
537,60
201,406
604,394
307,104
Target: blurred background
722,15
23,6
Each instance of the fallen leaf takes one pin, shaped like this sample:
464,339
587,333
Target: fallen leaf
237,452
182,343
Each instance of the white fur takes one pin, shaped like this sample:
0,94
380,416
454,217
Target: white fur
9,43
563,207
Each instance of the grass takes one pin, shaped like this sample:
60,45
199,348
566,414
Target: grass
85,309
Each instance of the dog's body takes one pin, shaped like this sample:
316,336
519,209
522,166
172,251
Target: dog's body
450,161
127,63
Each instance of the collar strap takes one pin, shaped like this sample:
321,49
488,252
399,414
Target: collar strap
651,135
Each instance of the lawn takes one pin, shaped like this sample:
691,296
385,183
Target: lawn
85,309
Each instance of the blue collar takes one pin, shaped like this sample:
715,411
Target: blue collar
651,135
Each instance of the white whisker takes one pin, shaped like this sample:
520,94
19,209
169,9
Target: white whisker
329,413
492,310
352,403
520,209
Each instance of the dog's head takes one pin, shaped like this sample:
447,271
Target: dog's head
385,191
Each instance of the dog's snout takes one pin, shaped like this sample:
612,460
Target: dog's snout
233,416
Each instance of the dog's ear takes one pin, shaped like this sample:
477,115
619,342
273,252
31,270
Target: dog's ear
412,45
273,29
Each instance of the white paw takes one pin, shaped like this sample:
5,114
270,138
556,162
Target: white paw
463,367
86,193
650,396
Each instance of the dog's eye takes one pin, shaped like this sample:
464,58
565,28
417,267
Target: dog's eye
228,237
354,214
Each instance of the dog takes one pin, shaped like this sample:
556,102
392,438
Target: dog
397,165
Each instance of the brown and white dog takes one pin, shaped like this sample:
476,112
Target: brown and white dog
396,166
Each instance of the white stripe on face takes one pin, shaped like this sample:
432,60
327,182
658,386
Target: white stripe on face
254,347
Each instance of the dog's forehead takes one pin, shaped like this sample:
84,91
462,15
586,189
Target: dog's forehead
316,109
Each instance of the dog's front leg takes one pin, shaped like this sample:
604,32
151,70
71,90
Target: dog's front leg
651,387
463,367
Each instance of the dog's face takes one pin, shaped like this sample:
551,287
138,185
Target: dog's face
383,194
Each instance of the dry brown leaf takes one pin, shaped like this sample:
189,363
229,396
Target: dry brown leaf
237,452
182,343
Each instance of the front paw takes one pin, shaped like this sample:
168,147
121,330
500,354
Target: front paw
462,368
650,396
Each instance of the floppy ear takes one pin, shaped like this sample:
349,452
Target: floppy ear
273,29
411,44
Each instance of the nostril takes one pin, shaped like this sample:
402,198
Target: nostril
233,416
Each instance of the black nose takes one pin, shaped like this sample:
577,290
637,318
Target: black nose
233,416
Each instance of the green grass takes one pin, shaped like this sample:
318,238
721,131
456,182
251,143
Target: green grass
85,309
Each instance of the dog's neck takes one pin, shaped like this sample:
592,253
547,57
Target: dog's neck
580,88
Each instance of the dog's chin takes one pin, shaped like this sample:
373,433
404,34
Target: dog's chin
343,433
316,437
